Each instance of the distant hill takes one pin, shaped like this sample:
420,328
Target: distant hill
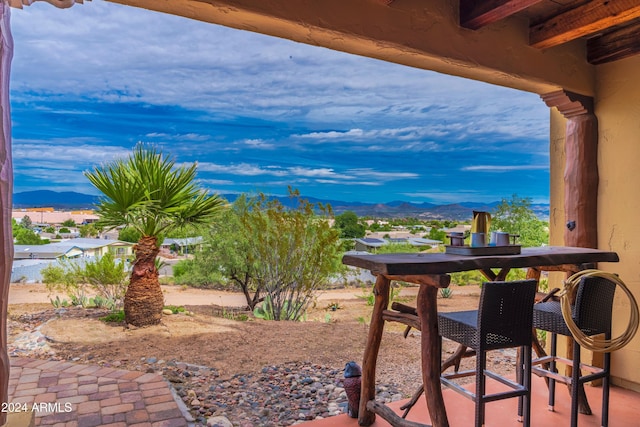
45,198
459,211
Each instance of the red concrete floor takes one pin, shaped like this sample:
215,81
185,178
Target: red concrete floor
624,410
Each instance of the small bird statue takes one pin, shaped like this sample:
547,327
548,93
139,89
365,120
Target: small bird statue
352,374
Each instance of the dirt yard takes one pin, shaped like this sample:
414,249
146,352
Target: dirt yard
206,337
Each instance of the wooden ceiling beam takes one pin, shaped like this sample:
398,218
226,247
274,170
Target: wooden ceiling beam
589,18
614,45
475,14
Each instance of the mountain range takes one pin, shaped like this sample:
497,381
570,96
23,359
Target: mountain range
458,211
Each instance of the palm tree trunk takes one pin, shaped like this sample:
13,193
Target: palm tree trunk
143,301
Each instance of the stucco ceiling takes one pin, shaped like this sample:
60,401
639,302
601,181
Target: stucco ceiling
611,28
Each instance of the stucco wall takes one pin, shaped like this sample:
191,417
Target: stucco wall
618,112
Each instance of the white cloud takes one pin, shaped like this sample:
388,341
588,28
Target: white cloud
258,143
320,175
405,133
383,175
504,168
315,173
447,197
245,169
352,133
64,153
216,181
351,183
177,137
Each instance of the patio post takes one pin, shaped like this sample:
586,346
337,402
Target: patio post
581,167
580,183
6,197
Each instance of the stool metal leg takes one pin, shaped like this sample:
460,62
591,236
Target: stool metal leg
605,389
520,370
552,368
527,384
575,384
481,361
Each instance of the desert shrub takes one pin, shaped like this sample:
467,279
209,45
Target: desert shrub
370,298
175,309
192,273
446,293
266,311
296,252
114,317
58,303
167,280
63,277
107,277
472,277
267,249
392,248
104,276
182,267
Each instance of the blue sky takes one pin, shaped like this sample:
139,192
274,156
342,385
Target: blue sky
260,113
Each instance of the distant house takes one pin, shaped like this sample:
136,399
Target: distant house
50,252
187,245
419,241
397,234
48,216
29,260
28,270
74,248
461,228
414,241
369,244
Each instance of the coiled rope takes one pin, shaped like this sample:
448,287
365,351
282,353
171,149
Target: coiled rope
593,343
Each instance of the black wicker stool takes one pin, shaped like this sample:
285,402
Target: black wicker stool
592,314
503,320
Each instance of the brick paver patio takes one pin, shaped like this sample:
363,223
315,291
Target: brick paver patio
74,395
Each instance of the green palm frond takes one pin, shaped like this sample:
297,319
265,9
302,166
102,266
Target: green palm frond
147,192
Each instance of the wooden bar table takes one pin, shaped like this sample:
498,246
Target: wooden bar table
431,272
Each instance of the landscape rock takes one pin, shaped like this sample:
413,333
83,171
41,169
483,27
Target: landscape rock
218,421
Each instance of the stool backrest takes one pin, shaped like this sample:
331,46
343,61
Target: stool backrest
594,305
505,313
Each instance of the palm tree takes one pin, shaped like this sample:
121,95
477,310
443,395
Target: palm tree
146,192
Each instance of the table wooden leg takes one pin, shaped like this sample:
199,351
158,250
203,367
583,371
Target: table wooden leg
368,386
457,356
431,354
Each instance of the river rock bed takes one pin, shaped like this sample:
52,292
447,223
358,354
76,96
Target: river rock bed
276,396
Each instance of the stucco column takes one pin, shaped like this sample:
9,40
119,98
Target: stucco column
580,186
6,196
581,167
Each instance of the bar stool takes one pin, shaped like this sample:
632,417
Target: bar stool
592,312
503,320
